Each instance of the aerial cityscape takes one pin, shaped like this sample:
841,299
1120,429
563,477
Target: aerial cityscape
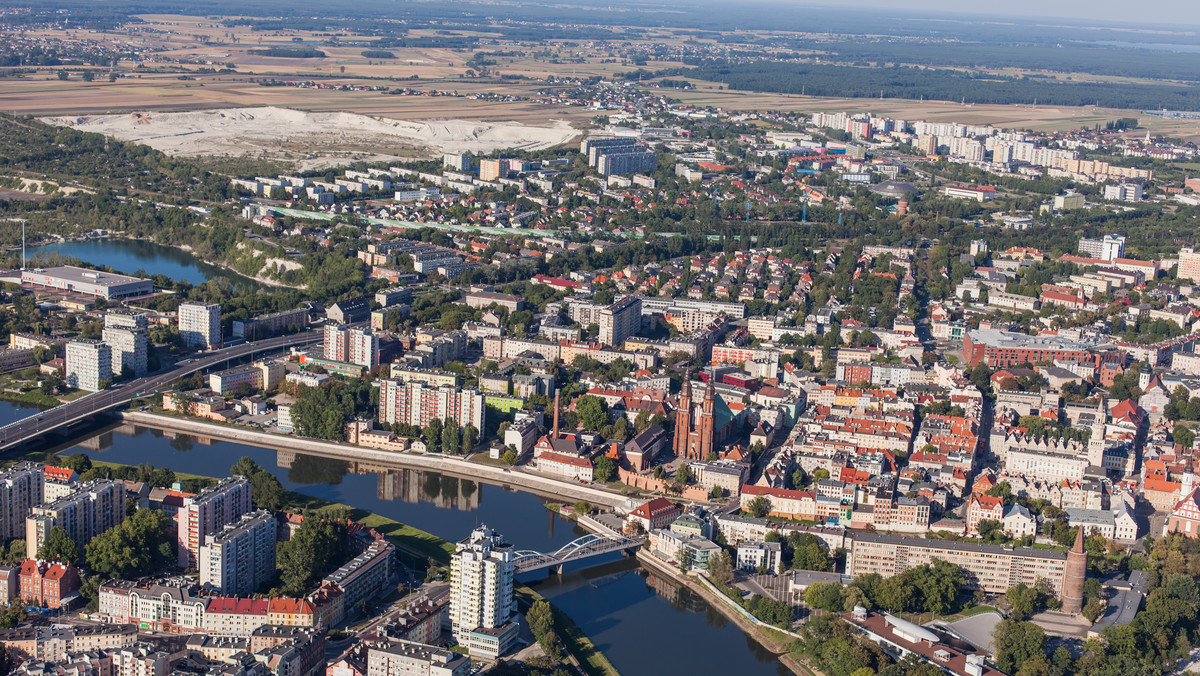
582,339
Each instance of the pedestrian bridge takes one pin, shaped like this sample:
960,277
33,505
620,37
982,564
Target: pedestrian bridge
595,544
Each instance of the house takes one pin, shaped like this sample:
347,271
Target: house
1185,516
1018,522
564,465
654,514
981,507
48,585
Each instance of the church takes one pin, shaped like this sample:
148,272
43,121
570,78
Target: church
700,429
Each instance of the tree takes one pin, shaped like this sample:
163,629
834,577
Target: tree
88,76
1023,600
451,437
265,490
592,412
137,546
319,545
605,469
1017,642
470,438
540,618
759,506
1183,436
716,493
720,569
58,545
433,435
825,596
63,75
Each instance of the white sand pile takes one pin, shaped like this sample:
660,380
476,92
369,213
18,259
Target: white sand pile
246,131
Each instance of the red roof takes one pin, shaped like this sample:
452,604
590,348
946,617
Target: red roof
59,473
291,606
655,507
234,605
573,460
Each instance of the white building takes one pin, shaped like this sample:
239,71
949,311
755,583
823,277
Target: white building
753,555
89,364
240,557
481,594
351,346
207,512
417,403
200,325
406,658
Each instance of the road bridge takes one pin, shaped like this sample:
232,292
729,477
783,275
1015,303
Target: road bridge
593,544
63,415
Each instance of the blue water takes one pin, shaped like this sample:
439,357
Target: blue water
128,256
642,622
11,412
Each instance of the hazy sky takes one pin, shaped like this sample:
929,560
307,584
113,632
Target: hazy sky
1166,12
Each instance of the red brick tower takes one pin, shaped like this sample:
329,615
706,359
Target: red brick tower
1073,576
683,417
705,443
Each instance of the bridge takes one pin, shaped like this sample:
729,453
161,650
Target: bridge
85,407
594,544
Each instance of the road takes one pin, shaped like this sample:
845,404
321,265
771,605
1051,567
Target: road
122,393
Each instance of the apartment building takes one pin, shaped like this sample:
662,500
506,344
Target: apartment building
351,346
241,556
261,375
22,488
88,364
406,658
126,333
200,325
208,512
992,568
481,594
620,320
416,403
92,509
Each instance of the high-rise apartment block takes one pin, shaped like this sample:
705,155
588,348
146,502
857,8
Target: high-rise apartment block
457,161
481,594
492,169
89,364
351,346
416,403
127,334
208,512
21,489
620,320
1189,264
241,556
200,325
97,506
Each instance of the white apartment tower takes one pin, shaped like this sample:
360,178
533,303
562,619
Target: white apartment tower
208,512
481,585
620,320
200,324
126,333
239,558
351,346
89,363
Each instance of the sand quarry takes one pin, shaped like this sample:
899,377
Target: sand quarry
280,132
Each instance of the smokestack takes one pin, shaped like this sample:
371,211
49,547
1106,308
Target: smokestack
554,434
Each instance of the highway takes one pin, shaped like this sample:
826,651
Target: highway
122,393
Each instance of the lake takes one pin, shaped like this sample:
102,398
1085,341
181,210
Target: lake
130,255
620,605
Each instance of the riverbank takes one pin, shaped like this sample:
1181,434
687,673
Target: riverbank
414,541
583,652
450,465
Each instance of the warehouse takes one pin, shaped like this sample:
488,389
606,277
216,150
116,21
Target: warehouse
105,285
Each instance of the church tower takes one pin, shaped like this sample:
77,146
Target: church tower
705,443
683,417
1073,577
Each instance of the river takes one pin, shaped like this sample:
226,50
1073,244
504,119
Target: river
130,255
642,621
11,412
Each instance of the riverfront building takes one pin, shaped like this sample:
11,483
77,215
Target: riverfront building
88,364
126,333
481,594
200,325
97,506
417,403
21,489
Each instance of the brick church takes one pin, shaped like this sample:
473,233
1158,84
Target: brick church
700,429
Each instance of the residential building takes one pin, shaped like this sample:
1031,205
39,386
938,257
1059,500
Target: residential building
754,556
200,325
1189,265
208,512
88,364
351,345
92,509
44,584
22,488
417,403
126,333
405,658
620,320
241,556
265,326
481,594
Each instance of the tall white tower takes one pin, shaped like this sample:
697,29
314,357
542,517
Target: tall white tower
481,594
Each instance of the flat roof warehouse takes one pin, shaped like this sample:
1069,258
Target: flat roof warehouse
88,282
